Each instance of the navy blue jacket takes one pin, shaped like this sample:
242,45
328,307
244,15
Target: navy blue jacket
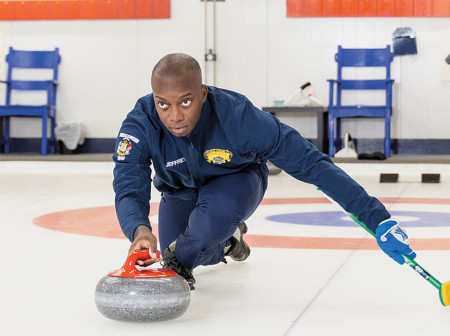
230,135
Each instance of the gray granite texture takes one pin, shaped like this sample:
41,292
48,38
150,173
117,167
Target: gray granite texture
142,300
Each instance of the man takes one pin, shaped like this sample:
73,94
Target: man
208,148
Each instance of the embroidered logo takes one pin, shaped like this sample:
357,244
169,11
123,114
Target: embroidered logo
218,156
174,163
124,147
400,235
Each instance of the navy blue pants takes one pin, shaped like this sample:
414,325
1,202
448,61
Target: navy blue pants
202,226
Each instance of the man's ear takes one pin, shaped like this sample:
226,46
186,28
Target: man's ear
204,92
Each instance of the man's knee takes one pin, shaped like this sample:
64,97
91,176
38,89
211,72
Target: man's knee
213,229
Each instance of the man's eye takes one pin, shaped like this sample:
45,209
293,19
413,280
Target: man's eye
186,102
162,104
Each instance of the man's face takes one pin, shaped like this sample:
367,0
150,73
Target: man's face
179,101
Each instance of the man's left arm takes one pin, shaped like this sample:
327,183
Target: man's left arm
287,149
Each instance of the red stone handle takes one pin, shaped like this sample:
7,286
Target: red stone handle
129,269
130,263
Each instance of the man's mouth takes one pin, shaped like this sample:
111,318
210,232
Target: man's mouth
178,130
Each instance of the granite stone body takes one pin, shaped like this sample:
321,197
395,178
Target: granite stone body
142,300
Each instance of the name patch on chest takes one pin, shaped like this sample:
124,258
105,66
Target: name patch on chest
174,163
217,156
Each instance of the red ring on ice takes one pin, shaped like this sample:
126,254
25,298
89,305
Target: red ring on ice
102,222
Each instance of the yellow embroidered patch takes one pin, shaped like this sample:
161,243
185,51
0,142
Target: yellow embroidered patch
218,156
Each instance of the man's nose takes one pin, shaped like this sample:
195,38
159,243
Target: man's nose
176,115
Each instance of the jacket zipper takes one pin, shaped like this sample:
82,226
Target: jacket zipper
197,179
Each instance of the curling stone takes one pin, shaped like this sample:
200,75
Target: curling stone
146,295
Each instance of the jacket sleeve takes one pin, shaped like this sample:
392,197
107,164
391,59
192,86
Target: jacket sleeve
287,149
132,176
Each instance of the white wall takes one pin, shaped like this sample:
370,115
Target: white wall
106,65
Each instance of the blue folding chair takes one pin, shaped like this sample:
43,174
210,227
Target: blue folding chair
336,110
31,60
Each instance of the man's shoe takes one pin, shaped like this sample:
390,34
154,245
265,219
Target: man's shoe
171,262
239,250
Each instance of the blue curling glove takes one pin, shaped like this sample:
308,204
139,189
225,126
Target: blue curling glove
393,241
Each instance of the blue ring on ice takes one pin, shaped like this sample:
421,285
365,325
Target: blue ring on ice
338,218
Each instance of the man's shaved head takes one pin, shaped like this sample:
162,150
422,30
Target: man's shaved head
178,93
175,65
